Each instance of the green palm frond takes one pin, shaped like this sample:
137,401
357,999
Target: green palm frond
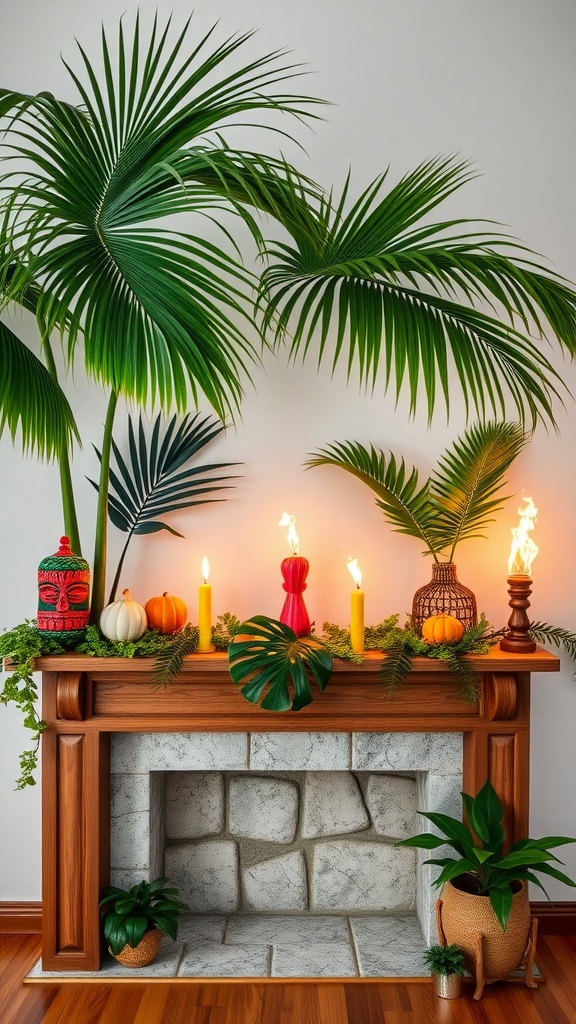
407,504
456,503
31,401
468,480
161,312
156,479
408,299
555,636
268,658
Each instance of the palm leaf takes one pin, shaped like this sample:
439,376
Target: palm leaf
31,401
468,479
543,633
270,659
145,145
396,667
155,479
394,287
406,504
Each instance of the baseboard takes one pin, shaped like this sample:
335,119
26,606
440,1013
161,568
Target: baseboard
20,917
555,918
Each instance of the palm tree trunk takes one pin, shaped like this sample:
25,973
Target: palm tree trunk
66,488
100,542
119,569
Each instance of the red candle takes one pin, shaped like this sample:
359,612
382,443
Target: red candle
294,571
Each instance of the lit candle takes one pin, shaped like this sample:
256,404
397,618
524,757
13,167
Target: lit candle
205,611
294,572
523,551
357,609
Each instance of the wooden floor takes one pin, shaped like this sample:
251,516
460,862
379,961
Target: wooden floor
235,1002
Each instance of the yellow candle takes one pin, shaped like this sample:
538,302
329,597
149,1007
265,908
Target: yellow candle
205,611
356,609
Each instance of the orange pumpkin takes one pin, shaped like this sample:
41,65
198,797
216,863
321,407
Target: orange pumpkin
167,613
442,629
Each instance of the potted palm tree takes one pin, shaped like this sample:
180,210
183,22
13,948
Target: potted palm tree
457,502
484,903
96,240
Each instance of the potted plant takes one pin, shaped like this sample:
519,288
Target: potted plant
484,906
456,502
447,967
137,918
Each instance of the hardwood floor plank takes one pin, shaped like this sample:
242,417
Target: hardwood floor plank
292,1002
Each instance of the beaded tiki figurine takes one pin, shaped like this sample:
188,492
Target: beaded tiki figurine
63,594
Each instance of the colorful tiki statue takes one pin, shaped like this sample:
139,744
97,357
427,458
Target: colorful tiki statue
63,593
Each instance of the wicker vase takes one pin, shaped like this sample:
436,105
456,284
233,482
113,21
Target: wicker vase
444,595
141,955
470,922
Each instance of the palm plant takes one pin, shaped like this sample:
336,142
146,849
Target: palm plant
459,499
158,478
106,214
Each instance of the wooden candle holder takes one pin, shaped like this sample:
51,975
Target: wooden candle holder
517,640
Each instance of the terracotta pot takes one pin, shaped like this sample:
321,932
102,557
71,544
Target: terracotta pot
141,955
470,922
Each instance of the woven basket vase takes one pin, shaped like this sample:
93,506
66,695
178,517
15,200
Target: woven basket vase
143,954
444,595
464,916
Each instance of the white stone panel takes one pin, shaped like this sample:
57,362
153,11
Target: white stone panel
211,961
353,876
319,960
391,802
299,751
407,751
389,946
278,884
206,874
262,808
332,804
286,930
182,751
194,804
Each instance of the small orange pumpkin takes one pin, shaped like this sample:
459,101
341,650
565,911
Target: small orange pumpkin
167,613
442,629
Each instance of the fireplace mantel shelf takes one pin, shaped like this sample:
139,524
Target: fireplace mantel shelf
86,700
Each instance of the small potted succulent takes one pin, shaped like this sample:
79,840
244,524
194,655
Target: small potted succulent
136,918
447,967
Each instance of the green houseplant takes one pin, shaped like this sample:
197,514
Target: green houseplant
484,891
137,917
447,967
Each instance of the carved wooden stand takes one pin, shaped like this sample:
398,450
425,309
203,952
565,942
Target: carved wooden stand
87,699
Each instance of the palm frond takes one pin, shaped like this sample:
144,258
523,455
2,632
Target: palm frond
556,636
468,480
408,298
161,312
406,504
397,665
31,402
155,480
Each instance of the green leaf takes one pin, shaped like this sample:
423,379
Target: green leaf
381,276
274,664
501,900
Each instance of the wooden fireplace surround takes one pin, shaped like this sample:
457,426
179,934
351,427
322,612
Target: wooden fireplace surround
87,699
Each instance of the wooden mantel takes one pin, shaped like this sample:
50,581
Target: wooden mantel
87,699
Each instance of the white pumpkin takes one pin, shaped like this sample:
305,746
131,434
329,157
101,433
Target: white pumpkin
124,619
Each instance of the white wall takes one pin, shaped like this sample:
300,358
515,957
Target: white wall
494,81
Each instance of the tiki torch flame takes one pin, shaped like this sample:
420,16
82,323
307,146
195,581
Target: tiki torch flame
523,550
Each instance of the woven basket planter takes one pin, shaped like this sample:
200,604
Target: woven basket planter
470,922
143,954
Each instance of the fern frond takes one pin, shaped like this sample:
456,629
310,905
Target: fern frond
169,661
543,633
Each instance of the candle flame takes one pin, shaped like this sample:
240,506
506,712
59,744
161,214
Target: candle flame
523,550
205,569
355,571
290,522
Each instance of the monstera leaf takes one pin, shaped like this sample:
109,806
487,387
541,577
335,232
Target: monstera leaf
267,655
